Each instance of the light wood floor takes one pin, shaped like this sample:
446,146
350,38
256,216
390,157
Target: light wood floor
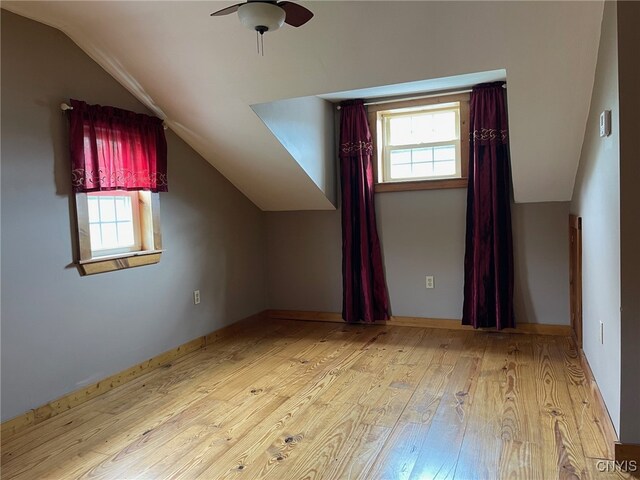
302,400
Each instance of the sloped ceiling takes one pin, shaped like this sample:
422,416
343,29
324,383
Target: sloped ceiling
203,74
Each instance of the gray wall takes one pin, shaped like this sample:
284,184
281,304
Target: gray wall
305,128
596,198
422,233
541,245
61,331
629,74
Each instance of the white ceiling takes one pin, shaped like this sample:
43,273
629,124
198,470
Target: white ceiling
202,74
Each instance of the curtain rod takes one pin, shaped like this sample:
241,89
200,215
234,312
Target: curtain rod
420,97
64,107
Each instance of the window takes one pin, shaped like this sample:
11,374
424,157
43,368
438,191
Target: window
421,144
118,229
118,166
114,225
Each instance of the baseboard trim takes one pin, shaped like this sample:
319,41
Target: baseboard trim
609,430
82,395
629,452
526,328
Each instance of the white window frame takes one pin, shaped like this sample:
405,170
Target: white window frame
382,105
387,116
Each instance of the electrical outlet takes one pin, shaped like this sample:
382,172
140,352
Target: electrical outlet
196,297
430,281
601,333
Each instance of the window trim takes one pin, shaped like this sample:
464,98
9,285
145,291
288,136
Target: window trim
376,132
385,162
150,237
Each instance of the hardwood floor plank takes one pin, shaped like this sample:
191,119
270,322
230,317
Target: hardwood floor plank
520,460
519,394
400,388
55,454
441,447
299,408
106,433
409,351
293,400
328,446
358,455
400,452
189,439
587,410
381,351
562,451
231,424
56,427
483,429
422,406
273,443
65,467
449,348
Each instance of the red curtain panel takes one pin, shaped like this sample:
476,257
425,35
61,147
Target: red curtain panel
488,264
114,149
364,296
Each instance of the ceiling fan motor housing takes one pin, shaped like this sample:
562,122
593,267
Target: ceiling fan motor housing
261,16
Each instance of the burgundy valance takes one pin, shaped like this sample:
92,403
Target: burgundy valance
115,149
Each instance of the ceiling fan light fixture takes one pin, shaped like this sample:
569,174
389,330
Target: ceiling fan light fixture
261,16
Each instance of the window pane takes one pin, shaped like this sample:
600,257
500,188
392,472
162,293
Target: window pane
123,208
94,209
125,234
421,155
400,131
109,235
447,152
444,126
401,171
107,209
400,157
112,227
423,169
425,127
445,168
95,237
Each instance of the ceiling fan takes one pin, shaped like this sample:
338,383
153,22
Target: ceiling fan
267,16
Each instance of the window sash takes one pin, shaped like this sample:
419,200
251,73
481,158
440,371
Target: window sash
386,164
135,220
388,116
387,149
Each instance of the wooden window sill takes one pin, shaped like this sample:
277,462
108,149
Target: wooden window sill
119,262
421,185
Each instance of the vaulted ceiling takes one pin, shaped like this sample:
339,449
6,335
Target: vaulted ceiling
203,75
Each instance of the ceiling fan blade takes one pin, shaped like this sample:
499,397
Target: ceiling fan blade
297,15
227,10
